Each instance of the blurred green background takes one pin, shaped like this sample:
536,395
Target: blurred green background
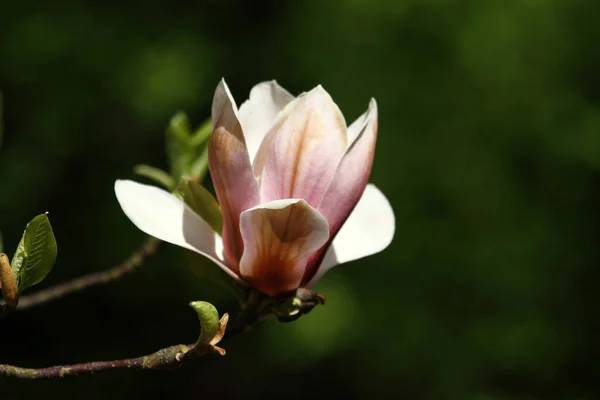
489,151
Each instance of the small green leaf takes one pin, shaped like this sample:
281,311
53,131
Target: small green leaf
200,167
155,174
36,253
179,150
209,321
179,127
202,202
202,134
187,153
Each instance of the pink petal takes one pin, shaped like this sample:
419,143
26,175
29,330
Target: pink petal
369,230
350,179
279,236
258,113
230,170
352,173
356,128
299,156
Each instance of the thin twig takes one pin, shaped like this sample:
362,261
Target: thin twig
169,357
174,356
162,358
136,260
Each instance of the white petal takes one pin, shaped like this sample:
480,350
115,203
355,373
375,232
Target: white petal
258,113
158,213
369,230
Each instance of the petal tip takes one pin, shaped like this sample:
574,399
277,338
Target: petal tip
222,87
123,184
222,100
372,111
271,86
373,103
319,89
319,99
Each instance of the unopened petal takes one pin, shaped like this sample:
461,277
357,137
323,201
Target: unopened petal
158,213
357,127
369,230
352,173
230,170
299,156
258,113
224,111
279,237
349,182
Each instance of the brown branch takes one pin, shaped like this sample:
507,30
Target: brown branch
169,357
135,261
253,310
166,357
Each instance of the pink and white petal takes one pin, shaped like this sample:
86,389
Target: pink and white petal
279,237
358,126
224,111
300,154
352,174
158,213
231,171
369,230
258,113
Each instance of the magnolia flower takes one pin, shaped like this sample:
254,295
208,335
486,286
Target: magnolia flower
291,181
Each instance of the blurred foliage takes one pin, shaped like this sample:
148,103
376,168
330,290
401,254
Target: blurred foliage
489,150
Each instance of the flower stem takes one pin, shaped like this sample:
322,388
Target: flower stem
135,261
250,313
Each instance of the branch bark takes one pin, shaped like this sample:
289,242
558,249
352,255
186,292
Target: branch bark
169,357
162,358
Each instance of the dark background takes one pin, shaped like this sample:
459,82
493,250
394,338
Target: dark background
489,151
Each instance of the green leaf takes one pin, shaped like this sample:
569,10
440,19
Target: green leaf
179,127
200,167
209,321
202,202
187,153
36,253
202,134
179,150
155,174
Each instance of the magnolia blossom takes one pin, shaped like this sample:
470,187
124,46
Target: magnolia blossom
291,180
